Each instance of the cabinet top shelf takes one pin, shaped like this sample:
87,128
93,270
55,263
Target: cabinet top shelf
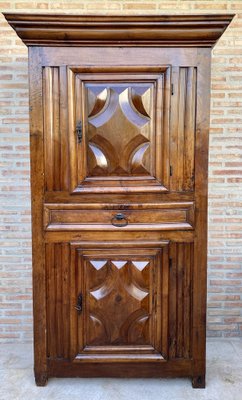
118,30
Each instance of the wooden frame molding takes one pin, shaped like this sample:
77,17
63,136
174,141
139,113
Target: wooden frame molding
90,30
165,216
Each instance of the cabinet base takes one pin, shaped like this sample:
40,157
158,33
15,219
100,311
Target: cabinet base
198,382
41,379
169,369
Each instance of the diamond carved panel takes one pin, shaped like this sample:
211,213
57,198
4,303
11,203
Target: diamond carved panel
123,288
124,139
124,306
119,129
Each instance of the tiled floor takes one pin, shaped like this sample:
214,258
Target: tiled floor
224,379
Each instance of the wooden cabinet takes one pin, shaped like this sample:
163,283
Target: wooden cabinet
119,118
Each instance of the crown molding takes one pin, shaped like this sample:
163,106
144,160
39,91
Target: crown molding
93,30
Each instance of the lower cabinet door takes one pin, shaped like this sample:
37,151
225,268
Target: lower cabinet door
119,301
111,301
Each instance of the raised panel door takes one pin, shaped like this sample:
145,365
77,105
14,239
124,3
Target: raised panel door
107,129
121,302
119,116
128,303
120,130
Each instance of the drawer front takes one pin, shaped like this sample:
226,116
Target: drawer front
172,216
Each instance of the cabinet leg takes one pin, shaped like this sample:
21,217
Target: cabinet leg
198,382
41,379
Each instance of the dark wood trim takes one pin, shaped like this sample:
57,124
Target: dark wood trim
200,243
63,368
65,197
90,30
97,217
37,198
63,236
120,55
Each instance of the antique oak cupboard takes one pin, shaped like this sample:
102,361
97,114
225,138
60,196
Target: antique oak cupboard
119,119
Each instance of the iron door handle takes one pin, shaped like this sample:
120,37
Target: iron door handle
119,217
78,306
79,131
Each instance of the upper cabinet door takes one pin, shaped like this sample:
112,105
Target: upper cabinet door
119,121
118,129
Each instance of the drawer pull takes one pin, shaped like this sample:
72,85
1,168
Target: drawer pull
119,217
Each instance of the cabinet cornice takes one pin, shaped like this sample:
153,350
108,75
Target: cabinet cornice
93,30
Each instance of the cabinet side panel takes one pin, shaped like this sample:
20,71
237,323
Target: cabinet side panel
201,193
55,128
50,300
64,130
180,300
37,194
189,129
182,136
58,299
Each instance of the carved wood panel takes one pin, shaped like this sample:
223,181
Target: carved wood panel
124,301
183,128
57,259
168,216
124,138
123,287
119,129
55,100
180,299
125,142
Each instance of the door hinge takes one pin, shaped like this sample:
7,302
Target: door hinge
79,131
170,262
171,170
172,89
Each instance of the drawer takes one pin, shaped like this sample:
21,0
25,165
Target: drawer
165,216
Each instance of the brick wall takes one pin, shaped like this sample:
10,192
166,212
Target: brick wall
225,169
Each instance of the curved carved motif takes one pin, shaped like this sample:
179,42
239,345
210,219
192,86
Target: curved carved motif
119,129
97,101
100,158
133,327
136,292
137,329
122,287
106,109
133,114
141,100
137,161
98,329
102,283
